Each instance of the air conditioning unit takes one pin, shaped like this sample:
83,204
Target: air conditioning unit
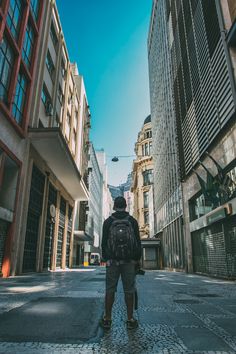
48,108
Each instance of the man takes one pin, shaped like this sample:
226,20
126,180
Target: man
121,249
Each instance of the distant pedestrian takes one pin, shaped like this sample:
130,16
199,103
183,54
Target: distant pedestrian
121,249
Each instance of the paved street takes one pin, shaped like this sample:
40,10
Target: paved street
59,312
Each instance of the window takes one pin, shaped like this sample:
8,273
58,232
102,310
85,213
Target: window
146,152
19,99
150,148
53,35
46,99
27,50
145,199
148,134
34,6
74,141
63,69
6,68
14,17
147,177
67,127
199,206
146,217
50,65
60,95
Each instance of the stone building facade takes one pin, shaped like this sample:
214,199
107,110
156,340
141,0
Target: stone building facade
143,179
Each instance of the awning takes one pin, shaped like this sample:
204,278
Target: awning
52,147
82,236
151,243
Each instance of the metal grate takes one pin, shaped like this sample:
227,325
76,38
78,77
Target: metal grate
52,199
34,214
3,235
61,228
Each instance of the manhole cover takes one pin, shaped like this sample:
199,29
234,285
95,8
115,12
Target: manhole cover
206,295
187,301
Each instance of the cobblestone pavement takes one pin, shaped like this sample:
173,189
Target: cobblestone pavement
178,313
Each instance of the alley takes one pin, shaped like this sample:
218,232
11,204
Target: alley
58,312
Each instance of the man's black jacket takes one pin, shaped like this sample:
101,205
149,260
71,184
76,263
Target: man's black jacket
105,233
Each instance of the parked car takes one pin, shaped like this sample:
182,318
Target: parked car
95,259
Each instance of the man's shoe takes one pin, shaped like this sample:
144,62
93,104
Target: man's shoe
104,323
132,324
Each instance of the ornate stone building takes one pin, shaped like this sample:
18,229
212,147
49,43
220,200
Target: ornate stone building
143,179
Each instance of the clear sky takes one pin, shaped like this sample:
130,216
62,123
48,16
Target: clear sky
108,40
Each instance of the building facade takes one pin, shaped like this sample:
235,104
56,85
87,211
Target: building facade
95,207
54,153
200,47
20,37
143,179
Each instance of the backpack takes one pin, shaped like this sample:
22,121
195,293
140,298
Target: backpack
122,243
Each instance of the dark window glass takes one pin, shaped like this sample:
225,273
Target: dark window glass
53,35
63,69
27,50
14,17
46,99
147,177
34,5
146,217
145,199
49,64
19,99
60,95
6,67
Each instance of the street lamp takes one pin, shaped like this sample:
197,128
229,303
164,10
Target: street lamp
116,158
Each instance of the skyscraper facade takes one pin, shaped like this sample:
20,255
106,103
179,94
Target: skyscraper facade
167,185
192,57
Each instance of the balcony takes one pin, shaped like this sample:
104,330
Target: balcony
52,147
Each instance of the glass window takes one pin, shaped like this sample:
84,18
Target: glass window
50,65
46,99
19,99
150,147
67,126
34,5
146,149
27,50
60,95
53,35
14,16
74,141
147,177
6,68
63,69
145,199
146,217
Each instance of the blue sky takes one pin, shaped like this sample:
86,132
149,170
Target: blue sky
108,40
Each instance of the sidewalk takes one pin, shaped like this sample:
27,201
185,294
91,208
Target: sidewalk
59,312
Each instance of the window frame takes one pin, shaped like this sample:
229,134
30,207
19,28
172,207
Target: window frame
30,40
4,96
24,88
10,18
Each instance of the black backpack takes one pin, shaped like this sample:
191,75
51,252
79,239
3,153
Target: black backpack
122,243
